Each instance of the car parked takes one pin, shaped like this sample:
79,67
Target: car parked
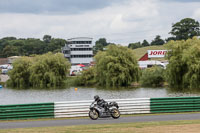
5,68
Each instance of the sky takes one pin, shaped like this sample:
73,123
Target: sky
119,21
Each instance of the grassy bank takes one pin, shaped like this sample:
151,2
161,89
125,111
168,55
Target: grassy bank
189,126
139,52
71,81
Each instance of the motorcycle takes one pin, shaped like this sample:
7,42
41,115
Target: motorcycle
96,111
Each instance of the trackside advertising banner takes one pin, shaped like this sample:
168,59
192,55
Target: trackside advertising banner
156,53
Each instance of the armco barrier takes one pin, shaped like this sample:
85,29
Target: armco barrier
175,104
81,108
27,111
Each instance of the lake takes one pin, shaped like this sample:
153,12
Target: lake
13,96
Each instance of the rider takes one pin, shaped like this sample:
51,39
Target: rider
101,102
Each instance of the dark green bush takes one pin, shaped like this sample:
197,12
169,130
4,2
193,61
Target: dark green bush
87,77
153,76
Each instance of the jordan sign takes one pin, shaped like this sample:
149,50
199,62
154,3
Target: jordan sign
156,53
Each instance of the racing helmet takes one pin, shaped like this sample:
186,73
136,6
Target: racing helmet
96,98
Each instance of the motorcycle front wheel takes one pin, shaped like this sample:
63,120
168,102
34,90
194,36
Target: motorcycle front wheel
93,114
115,113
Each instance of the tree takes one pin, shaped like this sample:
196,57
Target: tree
33,46
192,58
98,47
183,70
9,38
100,44
170,39
49,70
134,45
19,75
10,50
102,41
145,43
47,38
157,41
11,46
185,29
6,47
55,45
117,66
40,71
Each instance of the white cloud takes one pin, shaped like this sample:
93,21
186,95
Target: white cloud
123,23
196,14
128,16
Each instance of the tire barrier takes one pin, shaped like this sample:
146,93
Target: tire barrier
81,108
175,104
27,111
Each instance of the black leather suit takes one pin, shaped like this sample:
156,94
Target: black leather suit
102,103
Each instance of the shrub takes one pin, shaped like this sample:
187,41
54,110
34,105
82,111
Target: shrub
87,77
153,76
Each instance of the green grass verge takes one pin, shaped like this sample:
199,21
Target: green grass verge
142,127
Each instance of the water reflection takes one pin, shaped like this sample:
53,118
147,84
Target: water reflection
183,92
15,96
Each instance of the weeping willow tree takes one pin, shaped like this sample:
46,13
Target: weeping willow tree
183,69
19,75
192,57
48,70
116,66
41,71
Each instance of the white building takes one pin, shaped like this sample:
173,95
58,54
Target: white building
146,60
150,63
79,50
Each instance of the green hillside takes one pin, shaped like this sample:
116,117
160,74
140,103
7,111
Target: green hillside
139,52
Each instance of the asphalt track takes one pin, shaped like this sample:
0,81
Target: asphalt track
86,121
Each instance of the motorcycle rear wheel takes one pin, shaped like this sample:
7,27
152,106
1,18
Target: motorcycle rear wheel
115,113
93,114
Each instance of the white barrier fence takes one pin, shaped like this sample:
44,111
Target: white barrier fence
81,108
